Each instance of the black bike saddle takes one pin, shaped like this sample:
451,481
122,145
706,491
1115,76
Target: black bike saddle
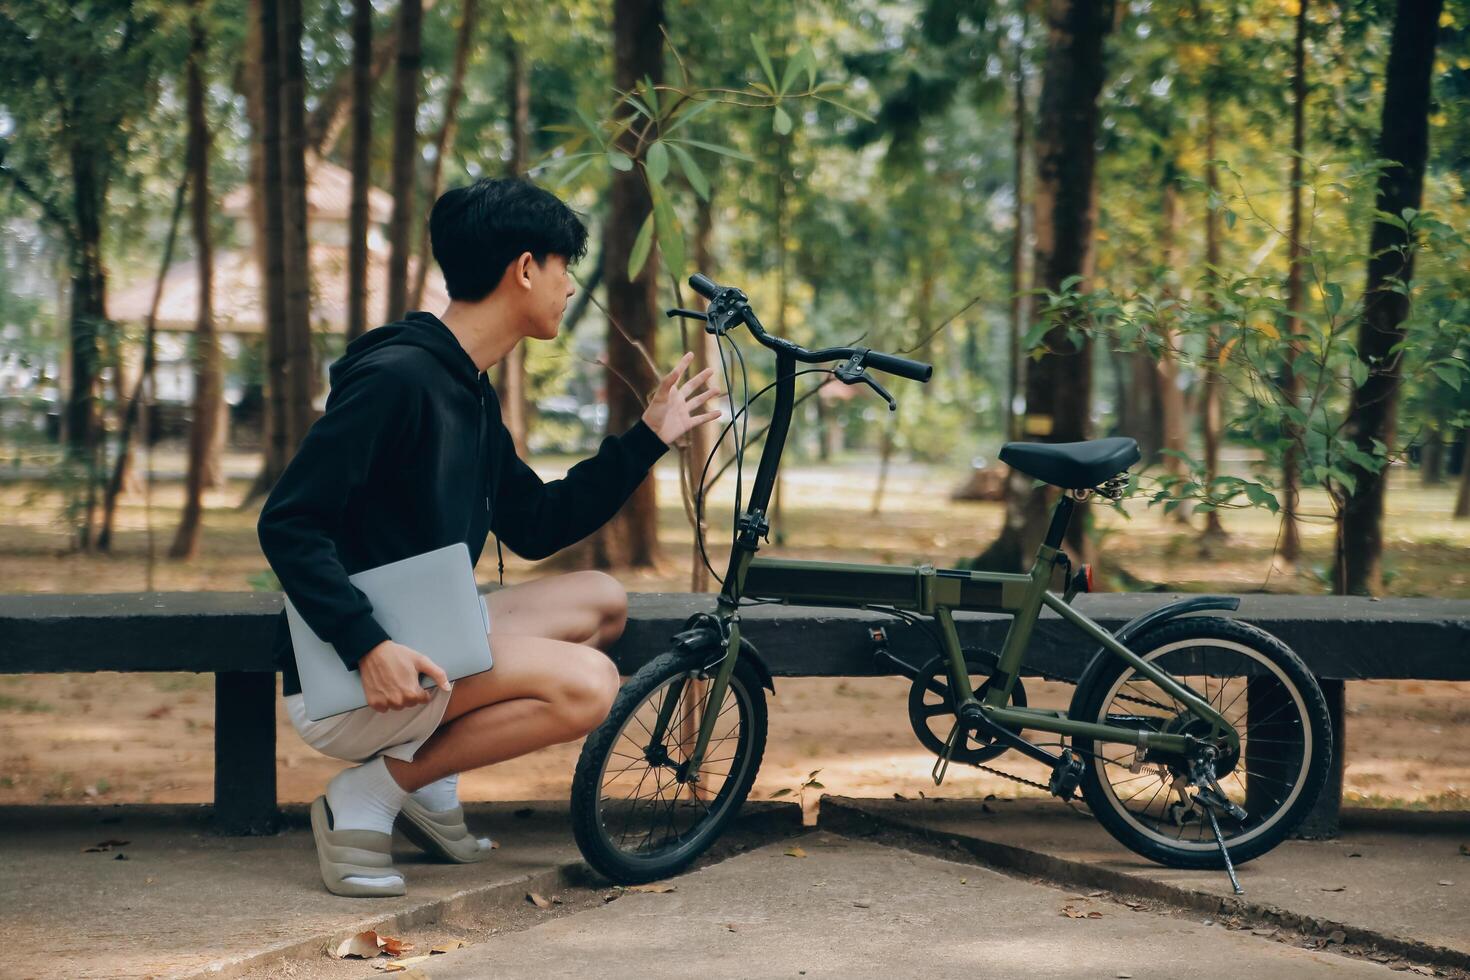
1072,465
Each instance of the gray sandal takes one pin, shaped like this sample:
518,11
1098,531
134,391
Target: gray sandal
344,854
441,833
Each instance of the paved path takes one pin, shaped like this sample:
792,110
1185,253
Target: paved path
1389,874
853,909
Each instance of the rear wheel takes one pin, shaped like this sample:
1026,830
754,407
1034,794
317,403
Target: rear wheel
634,816
1265,693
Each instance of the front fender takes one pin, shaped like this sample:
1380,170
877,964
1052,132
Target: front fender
702,633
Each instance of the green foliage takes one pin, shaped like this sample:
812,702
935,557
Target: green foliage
1257,332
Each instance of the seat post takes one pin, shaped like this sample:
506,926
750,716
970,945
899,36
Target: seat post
1061,516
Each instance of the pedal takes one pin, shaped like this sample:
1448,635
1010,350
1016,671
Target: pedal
1066,775
941,765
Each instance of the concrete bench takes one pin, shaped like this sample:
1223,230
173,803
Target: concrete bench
229,635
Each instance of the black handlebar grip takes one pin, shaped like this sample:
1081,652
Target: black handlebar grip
703,285
901,366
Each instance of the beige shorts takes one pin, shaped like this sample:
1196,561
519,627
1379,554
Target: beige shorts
360,734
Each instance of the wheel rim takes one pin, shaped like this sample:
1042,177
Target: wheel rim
643,812
1268,787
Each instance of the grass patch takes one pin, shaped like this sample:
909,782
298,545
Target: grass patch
26,705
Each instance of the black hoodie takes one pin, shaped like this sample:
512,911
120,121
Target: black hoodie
411,455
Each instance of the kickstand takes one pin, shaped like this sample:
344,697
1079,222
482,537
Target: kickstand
1229,868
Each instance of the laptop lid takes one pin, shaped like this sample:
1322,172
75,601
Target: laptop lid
428,602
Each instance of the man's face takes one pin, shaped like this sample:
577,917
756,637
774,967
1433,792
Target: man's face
546,300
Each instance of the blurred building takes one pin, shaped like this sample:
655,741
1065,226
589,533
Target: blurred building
238,296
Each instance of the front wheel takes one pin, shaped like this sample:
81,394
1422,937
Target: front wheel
634,817
1265,693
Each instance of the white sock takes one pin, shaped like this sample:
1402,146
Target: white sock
440,795
366,797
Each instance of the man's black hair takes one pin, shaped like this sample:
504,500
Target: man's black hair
477,231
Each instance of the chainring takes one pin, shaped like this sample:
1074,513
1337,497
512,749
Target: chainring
925,712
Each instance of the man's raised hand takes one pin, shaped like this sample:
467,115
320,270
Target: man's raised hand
674,409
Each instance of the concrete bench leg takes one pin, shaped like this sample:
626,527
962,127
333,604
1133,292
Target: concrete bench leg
245,753
1266,777
1322,821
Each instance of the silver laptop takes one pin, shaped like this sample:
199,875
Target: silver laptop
428,602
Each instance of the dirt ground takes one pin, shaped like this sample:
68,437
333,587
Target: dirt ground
149,738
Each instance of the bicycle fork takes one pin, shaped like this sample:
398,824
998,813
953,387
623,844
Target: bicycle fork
688,771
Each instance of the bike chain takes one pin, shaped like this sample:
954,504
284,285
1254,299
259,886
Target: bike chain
1055,678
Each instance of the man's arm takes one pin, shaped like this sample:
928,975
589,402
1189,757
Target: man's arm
374,408
536,519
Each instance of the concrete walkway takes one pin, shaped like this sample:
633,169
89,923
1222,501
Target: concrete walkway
879,893
1398,881
854,909
185,901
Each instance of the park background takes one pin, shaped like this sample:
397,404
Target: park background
1233,229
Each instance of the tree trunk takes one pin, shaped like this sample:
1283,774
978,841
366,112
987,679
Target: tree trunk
1291,540
362,152
1210,411
1431,456
631,537
443,141
405,151
328,119
135,403
270,252
1172,411
1462,498
208,383
295,240
1059,385
1017,327
706,354
88,323
1372,416
511,376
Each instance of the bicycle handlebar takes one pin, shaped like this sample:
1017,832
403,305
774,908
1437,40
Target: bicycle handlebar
889,363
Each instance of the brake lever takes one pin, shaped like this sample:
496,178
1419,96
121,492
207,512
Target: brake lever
690,314
892,404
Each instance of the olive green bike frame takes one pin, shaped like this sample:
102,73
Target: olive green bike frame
926,591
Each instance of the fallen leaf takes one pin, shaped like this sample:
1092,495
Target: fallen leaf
449,946
159,712
363,946
393,946
1334,888
900,796
1355,854
795,852
1097,894
90,791
1263,932
149,880
105,845
729,927
610,897
537,900
964,881
863,905
1337,936
1446,882
395,966
656,888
